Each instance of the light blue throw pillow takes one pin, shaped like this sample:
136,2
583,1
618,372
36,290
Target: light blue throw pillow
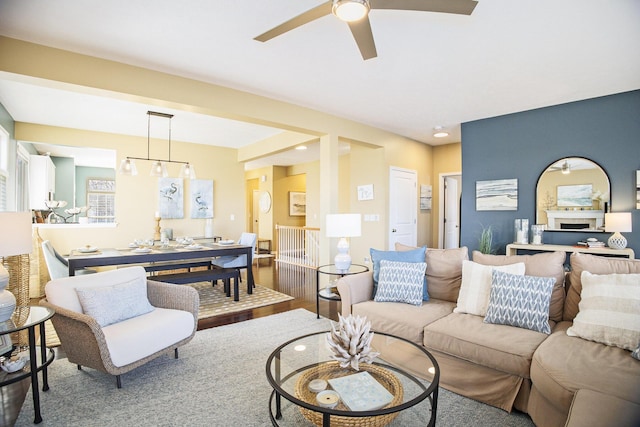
401,282
115,303
414,255
521,301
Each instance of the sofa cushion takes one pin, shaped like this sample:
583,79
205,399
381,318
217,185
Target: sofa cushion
62,292
465,336
401,282
115,303
404,320
444,272
609,310
138,337
476,286
521,301
550,264
562,365
414,255
596,265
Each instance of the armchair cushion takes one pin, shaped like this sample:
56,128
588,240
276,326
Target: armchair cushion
115,303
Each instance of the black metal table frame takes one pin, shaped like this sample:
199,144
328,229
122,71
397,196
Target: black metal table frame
430,393
78,262
33,363
340,273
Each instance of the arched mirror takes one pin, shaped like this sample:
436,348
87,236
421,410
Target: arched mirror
572,195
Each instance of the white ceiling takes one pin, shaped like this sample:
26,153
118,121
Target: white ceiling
432,69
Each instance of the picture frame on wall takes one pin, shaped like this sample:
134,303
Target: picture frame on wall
575,196
297,203
497,195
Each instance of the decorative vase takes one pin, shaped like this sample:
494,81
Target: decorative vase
351,342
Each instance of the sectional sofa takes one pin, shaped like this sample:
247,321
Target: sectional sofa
534,367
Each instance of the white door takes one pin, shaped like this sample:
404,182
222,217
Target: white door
451,212
255,213
403,204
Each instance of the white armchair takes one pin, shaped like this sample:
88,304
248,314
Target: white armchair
117,320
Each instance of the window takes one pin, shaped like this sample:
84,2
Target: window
101,197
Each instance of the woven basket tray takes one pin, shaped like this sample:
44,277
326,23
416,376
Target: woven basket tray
331,370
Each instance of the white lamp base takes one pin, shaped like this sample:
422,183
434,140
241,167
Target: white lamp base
342,260
7,300
617,241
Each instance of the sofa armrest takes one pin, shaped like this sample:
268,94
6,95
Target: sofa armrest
355,288
177,297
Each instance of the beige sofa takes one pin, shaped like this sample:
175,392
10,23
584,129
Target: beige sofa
505,366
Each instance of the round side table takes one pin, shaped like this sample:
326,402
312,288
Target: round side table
331,270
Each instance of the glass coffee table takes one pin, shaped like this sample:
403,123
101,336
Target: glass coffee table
399,375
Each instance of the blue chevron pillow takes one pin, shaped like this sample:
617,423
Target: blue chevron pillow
521,301
401,282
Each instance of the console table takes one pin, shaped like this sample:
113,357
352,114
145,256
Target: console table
512,249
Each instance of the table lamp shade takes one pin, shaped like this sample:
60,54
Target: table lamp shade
617,222
15,239
343,226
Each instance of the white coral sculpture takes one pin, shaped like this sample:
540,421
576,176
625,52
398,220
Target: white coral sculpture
351,342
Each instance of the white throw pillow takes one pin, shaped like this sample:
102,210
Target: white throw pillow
401,282
476,285
609,311
115,303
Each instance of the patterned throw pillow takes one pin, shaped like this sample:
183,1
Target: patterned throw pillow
521,301
401,282
609,311
414,255
115,303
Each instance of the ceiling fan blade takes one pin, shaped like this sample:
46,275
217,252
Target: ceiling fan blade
304,18
361,31
461,7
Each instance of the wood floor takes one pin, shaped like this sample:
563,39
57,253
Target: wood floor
297,282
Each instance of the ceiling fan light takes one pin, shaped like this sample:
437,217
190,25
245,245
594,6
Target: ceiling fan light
350,10
188,171
566,169
159,169
128,167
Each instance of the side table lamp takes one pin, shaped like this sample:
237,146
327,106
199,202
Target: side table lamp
15,245
343,226
617,223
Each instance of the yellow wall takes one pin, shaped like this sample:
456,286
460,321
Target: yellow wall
137,196
447,159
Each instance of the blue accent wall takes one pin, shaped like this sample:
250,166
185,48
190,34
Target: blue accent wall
521,145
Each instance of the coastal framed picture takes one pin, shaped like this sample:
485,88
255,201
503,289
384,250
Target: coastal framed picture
571,196
497,195
297,203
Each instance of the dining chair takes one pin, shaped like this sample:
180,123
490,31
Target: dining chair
237,261
57,266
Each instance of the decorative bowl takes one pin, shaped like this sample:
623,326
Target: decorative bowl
10,366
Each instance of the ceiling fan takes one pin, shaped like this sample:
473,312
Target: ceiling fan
356,14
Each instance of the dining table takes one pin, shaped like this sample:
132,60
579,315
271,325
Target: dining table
83,258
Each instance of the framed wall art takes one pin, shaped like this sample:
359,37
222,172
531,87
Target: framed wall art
497,195
171,198
201,198
571,196
297,203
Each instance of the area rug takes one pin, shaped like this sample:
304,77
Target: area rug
219,380
213,302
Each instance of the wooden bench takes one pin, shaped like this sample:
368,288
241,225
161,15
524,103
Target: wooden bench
212,275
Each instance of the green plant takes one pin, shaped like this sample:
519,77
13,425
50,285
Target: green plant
485,242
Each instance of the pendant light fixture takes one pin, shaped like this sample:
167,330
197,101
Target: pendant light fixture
159,167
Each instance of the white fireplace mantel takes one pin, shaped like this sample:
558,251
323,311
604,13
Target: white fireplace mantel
594,217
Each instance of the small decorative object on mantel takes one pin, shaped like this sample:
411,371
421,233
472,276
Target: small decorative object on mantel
351,342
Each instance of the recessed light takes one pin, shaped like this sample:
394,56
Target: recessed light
439,132
301,147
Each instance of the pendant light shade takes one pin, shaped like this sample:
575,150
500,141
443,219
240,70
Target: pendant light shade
188,171
159,169
128,167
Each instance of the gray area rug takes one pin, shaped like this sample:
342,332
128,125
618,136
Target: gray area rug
219,380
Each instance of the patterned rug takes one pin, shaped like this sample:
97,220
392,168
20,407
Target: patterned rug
213,302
